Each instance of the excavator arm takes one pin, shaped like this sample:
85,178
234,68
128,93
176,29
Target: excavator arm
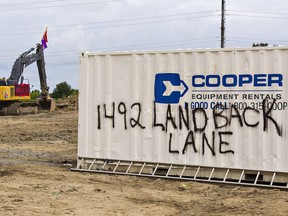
42,72
24,60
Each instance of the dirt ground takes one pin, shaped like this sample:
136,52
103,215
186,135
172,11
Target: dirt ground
38,151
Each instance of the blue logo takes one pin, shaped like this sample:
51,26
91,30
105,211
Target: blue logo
169,88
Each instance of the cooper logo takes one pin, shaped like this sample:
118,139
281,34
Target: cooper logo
233,80
169,88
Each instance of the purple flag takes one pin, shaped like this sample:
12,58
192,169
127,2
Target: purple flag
44,45
45,36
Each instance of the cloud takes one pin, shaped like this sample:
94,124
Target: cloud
128,24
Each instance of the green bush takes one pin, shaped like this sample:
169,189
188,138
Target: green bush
63,90
35,94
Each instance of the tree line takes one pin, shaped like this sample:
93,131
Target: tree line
62,90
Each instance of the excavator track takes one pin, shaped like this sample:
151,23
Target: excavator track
21,108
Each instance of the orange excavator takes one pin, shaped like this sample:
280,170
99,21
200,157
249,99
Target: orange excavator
15,95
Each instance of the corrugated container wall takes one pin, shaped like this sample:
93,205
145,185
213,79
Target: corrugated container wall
224,107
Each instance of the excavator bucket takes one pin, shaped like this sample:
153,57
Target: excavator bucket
47,104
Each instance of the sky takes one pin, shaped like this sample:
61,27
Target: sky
116,25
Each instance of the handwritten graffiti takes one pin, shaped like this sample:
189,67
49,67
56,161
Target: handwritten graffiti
208,131
190,140
221,118
110,113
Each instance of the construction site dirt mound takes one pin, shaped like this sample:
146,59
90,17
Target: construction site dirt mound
38,151
67,104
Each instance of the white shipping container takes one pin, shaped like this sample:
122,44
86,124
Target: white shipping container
212,107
